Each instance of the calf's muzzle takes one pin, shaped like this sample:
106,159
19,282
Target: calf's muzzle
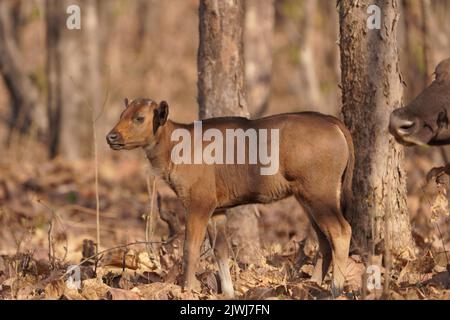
114,140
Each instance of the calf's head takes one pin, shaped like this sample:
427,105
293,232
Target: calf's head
425,119
138,125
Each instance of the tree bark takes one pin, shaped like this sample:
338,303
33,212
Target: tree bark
221,92
258,36
371,89
73,79
25,105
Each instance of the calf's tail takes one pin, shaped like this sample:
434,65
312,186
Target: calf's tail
347,177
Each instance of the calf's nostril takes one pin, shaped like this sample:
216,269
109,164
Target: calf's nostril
112,137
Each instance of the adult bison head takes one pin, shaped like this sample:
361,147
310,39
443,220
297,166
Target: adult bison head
425,119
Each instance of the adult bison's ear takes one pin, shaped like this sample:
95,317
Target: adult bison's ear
160,115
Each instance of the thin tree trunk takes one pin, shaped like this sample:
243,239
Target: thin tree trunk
144,9
310,86
25,105
258,35
221,92
427,54
76,82
54,97
405,42
371,89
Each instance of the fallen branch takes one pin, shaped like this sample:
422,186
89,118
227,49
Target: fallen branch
99,253
86,210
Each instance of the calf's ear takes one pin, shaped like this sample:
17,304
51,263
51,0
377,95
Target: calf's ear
126,102
160,115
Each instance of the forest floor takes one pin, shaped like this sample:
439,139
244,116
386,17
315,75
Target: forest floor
48,225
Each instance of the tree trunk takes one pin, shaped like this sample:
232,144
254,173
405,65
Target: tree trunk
54,20
258,36
25,105
371,89
73,79
405,41
427,54
221,92
310,86
144,10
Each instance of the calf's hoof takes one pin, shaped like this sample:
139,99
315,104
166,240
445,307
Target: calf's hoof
227,290
316,277
193,285
337,288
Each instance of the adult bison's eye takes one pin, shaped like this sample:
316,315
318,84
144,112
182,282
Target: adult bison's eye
442,120
139,119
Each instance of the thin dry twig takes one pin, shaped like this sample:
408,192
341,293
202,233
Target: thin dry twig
51,246
51,251
97,196
95,118
149,216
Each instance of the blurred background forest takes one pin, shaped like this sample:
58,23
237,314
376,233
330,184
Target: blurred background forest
58,86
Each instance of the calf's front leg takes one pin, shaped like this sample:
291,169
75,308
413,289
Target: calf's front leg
198,215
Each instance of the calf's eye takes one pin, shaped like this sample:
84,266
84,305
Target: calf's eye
139,119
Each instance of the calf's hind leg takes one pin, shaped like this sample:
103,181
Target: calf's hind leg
218,239
324,255
332,226
340,235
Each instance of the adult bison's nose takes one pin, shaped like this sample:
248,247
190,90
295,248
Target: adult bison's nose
400,124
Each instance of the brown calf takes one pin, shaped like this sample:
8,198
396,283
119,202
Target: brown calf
315,165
